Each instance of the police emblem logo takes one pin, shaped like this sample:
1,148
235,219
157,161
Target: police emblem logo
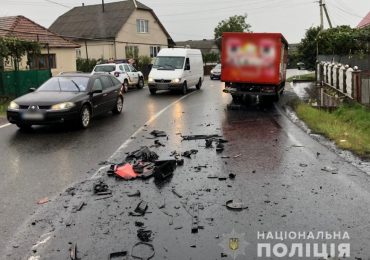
234,243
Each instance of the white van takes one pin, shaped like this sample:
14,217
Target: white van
176,69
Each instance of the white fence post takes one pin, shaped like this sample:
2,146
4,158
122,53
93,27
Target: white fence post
349,85
341,78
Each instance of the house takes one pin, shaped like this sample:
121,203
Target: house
365,22
117,30
206,46
57,53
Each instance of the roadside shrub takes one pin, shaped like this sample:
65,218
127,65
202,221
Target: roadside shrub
85,65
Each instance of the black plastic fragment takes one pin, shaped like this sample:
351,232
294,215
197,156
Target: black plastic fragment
164,168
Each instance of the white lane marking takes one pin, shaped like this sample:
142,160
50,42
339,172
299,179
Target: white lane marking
97,174
2,126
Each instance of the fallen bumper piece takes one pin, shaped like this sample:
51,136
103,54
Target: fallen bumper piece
233,205
142,250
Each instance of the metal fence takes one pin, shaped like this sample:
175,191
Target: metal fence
344,79
17,83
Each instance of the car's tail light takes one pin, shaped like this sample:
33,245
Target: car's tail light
116,74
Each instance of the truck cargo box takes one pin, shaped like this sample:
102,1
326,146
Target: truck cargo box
254,58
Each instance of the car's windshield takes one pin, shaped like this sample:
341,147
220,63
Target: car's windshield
169,63
64,84
105,68
218,67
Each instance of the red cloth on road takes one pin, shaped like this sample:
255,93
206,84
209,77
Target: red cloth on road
126,172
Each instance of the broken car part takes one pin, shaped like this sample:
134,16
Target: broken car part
134,194
126,171
164,168
144,154
144,235
189,153
158,133
195,218
117,255
197,137
140,209
100,188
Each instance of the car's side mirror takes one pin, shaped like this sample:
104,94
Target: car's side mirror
187,67
96,91
32,89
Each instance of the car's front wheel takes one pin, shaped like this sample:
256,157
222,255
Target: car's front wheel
184,89
140,84
199,84
85,117
118,107
125,86
152,91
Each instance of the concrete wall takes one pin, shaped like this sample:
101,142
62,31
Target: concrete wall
116,50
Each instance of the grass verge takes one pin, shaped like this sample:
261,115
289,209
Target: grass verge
348,126
304,77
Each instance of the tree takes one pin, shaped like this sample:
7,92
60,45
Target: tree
340,40
236,23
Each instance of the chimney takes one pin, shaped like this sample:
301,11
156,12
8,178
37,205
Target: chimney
83,4
102,5
135,3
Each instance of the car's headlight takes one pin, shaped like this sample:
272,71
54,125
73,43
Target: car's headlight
212,71
13,105
63,106
176,80
150,80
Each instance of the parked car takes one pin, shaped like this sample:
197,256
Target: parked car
300,66
67,98
216,72
124,72
176,69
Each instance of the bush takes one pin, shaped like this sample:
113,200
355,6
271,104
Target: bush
85,65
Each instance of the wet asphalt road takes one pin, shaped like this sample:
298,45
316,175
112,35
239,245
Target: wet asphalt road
278,177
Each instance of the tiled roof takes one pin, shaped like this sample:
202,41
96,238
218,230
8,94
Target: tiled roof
365,21
25,29
206,46
90,22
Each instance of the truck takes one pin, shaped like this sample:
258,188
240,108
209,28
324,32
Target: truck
254,65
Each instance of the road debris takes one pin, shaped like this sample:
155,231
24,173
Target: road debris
232,176
101,188
333,170
209,143
117,255
134,194
176,193
144,235
73,252
140,209
126,171
198,137
238,155
78,207
43,201
157,143
139,224
142,250
233,205
195,218
189,153
164,168
143,154
158,133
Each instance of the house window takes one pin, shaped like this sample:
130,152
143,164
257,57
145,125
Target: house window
132,52
78,53
42,61
154,51
142,26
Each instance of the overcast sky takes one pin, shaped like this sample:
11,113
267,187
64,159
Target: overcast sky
196,19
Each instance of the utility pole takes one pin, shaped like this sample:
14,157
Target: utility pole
102,5
327,15
321,15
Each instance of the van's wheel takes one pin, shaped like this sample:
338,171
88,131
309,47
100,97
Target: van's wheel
118,107
85,117
125,86
184,88
199,84
140,84
152,91
236,99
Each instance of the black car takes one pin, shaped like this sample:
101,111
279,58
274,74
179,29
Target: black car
67,98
